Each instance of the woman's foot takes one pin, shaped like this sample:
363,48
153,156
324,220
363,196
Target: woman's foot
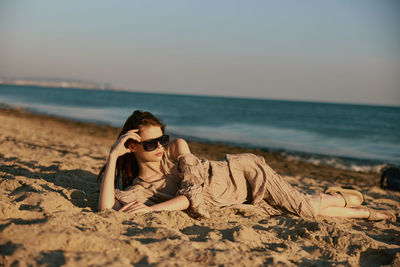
378,215
352,198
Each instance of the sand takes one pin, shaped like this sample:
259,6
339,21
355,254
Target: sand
49,217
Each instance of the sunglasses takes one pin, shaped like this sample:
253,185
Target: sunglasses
152,144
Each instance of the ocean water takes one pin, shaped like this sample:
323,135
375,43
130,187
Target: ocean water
360,137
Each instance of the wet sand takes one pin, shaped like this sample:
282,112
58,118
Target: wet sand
48,211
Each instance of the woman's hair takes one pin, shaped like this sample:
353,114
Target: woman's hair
127,167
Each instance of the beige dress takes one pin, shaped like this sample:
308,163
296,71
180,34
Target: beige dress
237,179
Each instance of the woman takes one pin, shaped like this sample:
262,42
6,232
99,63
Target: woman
158,175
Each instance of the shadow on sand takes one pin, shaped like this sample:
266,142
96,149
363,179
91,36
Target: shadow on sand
83,183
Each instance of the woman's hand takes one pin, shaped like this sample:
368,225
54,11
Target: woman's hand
135,206
119,149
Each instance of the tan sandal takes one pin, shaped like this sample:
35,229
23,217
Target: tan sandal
348,195
373,216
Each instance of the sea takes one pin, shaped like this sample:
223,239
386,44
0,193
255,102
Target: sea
347,136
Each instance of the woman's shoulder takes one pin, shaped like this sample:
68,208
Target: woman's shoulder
178,147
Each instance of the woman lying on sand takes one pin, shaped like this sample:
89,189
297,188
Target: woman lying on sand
158,175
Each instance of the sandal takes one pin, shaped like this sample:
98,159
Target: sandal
373,216
352,197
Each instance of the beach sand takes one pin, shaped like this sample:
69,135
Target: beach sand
48,211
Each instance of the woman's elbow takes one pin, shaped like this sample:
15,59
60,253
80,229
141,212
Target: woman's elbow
106,206
185,203
102,207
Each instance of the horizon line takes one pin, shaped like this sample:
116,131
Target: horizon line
109,87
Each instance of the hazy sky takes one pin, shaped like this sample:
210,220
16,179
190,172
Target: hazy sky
334,51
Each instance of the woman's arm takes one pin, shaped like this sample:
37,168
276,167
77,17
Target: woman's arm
106,197
177,148
177,203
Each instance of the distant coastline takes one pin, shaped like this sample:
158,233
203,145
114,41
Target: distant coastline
58,83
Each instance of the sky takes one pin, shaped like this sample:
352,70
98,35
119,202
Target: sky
344,51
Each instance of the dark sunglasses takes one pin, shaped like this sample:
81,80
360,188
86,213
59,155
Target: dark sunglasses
150,145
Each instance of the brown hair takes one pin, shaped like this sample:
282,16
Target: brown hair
127,167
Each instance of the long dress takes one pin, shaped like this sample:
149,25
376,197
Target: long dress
237,179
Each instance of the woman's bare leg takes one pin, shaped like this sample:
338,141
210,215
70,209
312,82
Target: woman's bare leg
335,200
359,213
322,201
342,212
333,206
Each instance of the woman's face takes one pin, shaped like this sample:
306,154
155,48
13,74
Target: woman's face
148,133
